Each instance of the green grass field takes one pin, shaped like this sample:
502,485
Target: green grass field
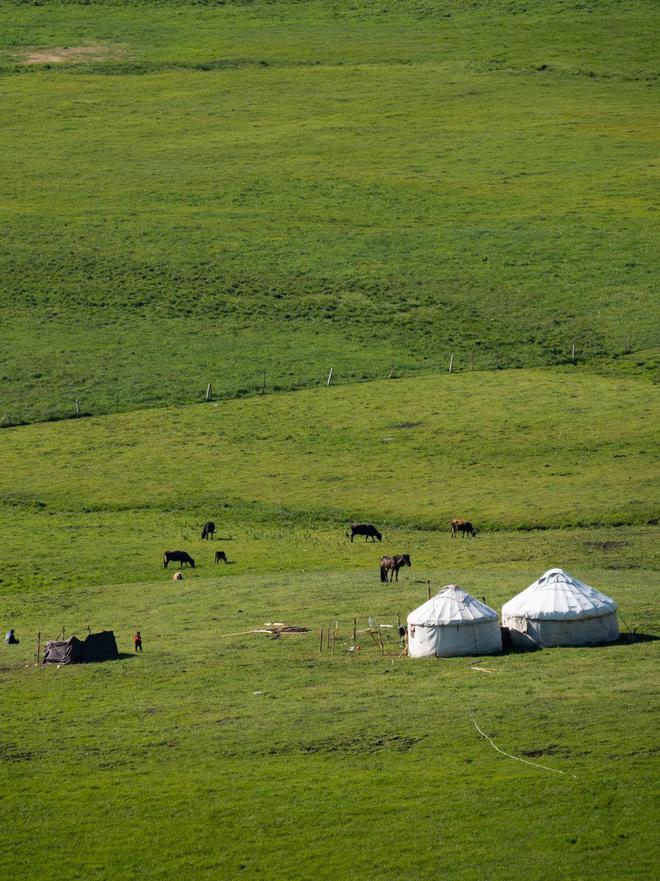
224,754
248,194
353,188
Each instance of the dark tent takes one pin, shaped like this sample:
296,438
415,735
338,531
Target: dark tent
64,651
101,646
97,647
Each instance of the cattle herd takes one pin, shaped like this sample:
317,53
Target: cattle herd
389,565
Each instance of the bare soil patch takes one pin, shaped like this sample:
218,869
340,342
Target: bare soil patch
68,54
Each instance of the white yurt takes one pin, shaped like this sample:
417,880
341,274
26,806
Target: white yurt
453,623
560,610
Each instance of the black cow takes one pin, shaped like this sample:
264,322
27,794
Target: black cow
220,556
367,530
179,557
208,530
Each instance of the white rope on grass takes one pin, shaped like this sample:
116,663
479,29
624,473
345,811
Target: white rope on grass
517,758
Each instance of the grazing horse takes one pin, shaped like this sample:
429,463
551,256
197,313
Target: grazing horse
463,526
392,565
220,555
365,529
208,530
179,557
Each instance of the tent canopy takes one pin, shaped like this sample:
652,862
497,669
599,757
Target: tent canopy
452,605
558,596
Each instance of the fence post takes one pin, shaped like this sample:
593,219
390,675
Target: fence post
451,363
77,407
209,392
329,376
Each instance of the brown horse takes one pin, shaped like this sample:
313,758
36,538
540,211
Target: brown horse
392,565
464,527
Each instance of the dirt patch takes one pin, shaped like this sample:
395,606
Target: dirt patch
607,545
68,54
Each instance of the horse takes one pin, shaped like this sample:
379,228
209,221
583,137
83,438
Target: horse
365,529
392,565
220,555
179,557
208,530
463,526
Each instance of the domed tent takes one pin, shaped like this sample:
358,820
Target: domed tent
558,609
453,623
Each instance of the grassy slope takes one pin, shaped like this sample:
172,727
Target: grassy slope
517,450
223,756
390,188
243,757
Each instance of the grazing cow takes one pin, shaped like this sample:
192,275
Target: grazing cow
463,526
178,576
179,557
220,555
367,530
208,530
392,565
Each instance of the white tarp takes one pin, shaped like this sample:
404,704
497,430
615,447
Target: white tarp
453,623
558,609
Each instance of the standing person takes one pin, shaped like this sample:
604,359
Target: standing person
10,638
137,641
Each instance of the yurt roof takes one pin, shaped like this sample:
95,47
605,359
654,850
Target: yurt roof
451,606
557,596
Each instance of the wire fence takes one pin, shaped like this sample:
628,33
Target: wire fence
109,398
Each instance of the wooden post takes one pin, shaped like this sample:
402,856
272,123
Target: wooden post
428,583
573,353
77,407
263,384
354,631
391,376
321,640
334,635
451,363
209,392
38,647
330,376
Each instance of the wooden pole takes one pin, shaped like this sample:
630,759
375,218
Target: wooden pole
38,647
334,636
451,363
263,384
321,640
209,392
391,376
354,631
330,376
573,353
428,583
77,407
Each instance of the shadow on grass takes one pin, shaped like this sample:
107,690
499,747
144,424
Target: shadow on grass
630,638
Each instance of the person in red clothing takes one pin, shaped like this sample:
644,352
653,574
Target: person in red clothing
137,640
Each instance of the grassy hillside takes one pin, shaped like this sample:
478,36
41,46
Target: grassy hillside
284,475
219,755
250,194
